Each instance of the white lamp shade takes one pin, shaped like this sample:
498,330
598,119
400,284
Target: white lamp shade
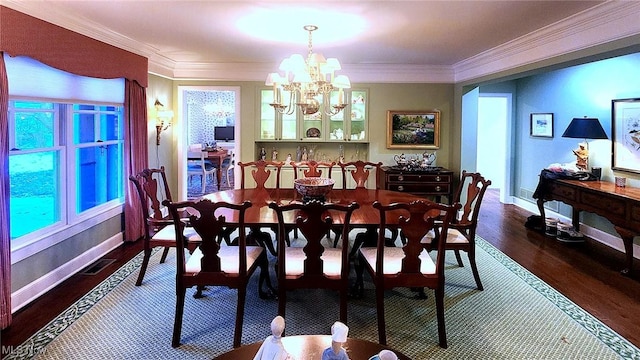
301,77
333,64
273,79
296,63
341,82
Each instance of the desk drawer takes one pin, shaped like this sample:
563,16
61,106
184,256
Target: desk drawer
392,178
563,192
420,188
608,204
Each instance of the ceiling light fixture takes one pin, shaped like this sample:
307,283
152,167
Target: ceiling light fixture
308,82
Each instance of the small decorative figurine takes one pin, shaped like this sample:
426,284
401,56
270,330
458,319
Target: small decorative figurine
582,157
274,154
387,355
288,159
339,332
272,347
305,154
298,154
341,154
263,154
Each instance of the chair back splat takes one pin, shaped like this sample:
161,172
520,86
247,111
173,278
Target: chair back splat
211,263
313,168
261,171
314,265
409,266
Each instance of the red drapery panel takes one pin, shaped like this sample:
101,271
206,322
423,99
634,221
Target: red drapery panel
67,50
5,240
136,155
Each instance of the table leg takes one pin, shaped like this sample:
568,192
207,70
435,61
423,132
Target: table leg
627,238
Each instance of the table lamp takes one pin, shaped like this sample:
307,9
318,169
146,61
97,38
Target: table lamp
584,128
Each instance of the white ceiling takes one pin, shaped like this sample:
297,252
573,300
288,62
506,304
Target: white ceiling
212,39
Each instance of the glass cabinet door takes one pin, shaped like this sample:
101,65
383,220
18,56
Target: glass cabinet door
337,130
312,128
358,116
267,129
273,125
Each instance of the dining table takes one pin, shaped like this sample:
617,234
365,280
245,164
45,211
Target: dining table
259,214
312,346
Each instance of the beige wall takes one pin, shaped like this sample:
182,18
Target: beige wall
382,97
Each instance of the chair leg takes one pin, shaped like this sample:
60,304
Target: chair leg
344,293
177,324
237,336
442,333
457,252
203,181
270,291
338,232
358,287
165,252
143,267
382,335
474,267
282,301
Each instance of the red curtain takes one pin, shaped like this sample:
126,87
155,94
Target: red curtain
24,35
136,155
5,240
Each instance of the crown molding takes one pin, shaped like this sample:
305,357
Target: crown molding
606,23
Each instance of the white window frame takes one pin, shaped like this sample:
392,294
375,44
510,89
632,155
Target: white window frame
70,223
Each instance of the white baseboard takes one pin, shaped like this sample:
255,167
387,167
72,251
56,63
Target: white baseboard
47,282
595,234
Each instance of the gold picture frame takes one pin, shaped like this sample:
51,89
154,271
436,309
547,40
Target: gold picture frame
413,129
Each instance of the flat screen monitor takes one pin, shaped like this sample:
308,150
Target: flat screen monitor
223,133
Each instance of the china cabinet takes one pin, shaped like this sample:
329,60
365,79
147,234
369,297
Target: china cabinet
349,124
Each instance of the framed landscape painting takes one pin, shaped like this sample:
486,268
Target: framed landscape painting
625,121
541,125
413,129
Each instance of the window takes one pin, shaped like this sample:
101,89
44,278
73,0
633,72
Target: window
65,163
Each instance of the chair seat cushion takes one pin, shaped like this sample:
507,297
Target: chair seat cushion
168,233
229,259
393,260
454,236
331,258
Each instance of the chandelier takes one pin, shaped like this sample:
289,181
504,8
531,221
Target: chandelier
307,82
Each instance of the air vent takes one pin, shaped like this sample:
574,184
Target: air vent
97,266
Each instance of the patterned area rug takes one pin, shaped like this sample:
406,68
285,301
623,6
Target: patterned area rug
517,316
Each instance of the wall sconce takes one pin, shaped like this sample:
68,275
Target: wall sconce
163,119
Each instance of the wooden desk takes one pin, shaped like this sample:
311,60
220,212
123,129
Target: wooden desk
311,347
619,205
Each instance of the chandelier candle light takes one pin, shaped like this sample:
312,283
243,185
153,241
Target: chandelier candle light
306,80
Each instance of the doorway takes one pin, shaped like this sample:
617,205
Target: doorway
203,109
493,150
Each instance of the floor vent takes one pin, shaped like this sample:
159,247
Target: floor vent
97,266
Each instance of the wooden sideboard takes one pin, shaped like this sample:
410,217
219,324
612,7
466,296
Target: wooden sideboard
435,182
620,205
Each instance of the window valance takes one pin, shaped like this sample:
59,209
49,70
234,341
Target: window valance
24,35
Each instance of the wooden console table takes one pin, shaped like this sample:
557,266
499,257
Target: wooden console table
620,205
433,182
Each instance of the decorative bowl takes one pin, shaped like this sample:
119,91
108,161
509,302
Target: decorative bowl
313,187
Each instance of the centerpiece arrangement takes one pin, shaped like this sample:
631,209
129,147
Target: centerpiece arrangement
313,188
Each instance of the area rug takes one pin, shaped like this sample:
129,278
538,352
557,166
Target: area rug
517,316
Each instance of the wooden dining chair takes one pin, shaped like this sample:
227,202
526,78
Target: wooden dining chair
359,171
261,172
151,186
461,235
213,264
410,265
312,266
313,168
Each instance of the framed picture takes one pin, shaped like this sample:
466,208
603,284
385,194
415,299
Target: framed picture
542,125
625,123
413,129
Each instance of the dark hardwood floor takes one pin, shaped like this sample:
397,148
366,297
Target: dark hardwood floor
586,273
